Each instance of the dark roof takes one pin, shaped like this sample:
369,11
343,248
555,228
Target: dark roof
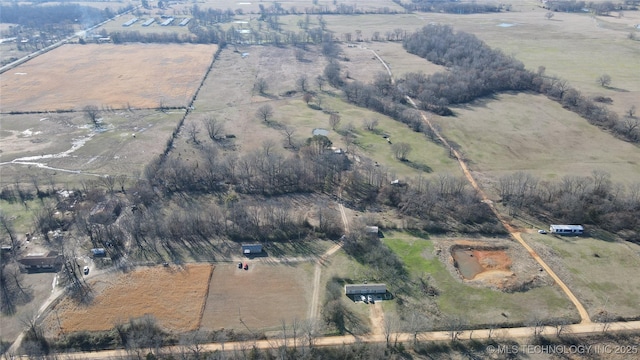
50,259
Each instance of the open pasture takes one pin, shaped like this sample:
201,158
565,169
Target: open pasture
259,298
253,6
600,273
578,48
476,304
119,76
236,106
531,133
174,296
65,143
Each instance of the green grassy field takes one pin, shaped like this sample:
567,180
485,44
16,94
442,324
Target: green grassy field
597,271
534,134
477,306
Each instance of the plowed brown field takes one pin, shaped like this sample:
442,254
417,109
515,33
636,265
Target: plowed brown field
137,75
174,296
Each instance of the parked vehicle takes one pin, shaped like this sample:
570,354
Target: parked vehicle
246,266
239,265
370,298
363,299
85,270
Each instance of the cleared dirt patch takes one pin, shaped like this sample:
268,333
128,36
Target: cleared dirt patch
174,296
262,296
474,263
137,75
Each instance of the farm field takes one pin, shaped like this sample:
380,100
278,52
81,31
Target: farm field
524,132
475,303
124,76
258,298
597,271
144,291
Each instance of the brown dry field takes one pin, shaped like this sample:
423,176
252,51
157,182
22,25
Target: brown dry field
262,296
174,296
73,76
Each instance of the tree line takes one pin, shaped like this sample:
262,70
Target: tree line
449,6
593,200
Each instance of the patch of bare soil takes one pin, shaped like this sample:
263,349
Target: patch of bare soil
503,265
174,296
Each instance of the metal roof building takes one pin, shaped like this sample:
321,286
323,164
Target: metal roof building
357,289
250,249
566,229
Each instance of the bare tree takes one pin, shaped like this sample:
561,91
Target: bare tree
632,111
215,127
549,15
455,326
288,132
370,124
303,83
604,80
418,323
92,112
401,150
109,182
261,86
310,331
320,81
299,54
264,113
334,120
307,97
6,224
192,132
194,343
389,326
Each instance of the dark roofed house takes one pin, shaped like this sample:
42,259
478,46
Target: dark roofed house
49,262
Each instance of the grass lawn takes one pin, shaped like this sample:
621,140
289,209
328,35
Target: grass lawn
524,132
599,272
476,306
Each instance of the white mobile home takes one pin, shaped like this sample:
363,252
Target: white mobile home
566,229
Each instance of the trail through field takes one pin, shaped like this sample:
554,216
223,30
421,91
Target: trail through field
315,298
376,314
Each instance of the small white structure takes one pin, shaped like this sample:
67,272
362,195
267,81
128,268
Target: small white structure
566,229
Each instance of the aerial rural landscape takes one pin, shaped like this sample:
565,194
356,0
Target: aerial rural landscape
315,179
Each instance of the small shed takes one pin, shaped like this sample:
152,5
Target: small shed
251,249
364,289
98,252
566,229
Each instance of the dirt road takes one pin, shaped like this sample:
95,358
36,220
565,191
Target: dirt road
581,329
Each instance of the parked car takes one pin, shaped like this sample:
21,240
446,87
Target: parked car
370,298
85,270
362,298
542,231
246,266
239,265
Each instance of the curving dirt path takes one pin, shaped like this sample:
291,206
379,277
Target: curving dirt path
584,315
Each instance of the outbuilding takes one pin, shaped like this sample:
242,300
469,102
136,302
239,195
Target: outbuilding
364,289
566,229
251,249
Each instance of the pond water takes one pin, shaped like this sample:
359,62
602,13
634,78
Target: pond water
467,264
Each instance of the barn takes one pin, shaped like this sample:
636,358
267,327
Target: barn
251,249
365,289
566,229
